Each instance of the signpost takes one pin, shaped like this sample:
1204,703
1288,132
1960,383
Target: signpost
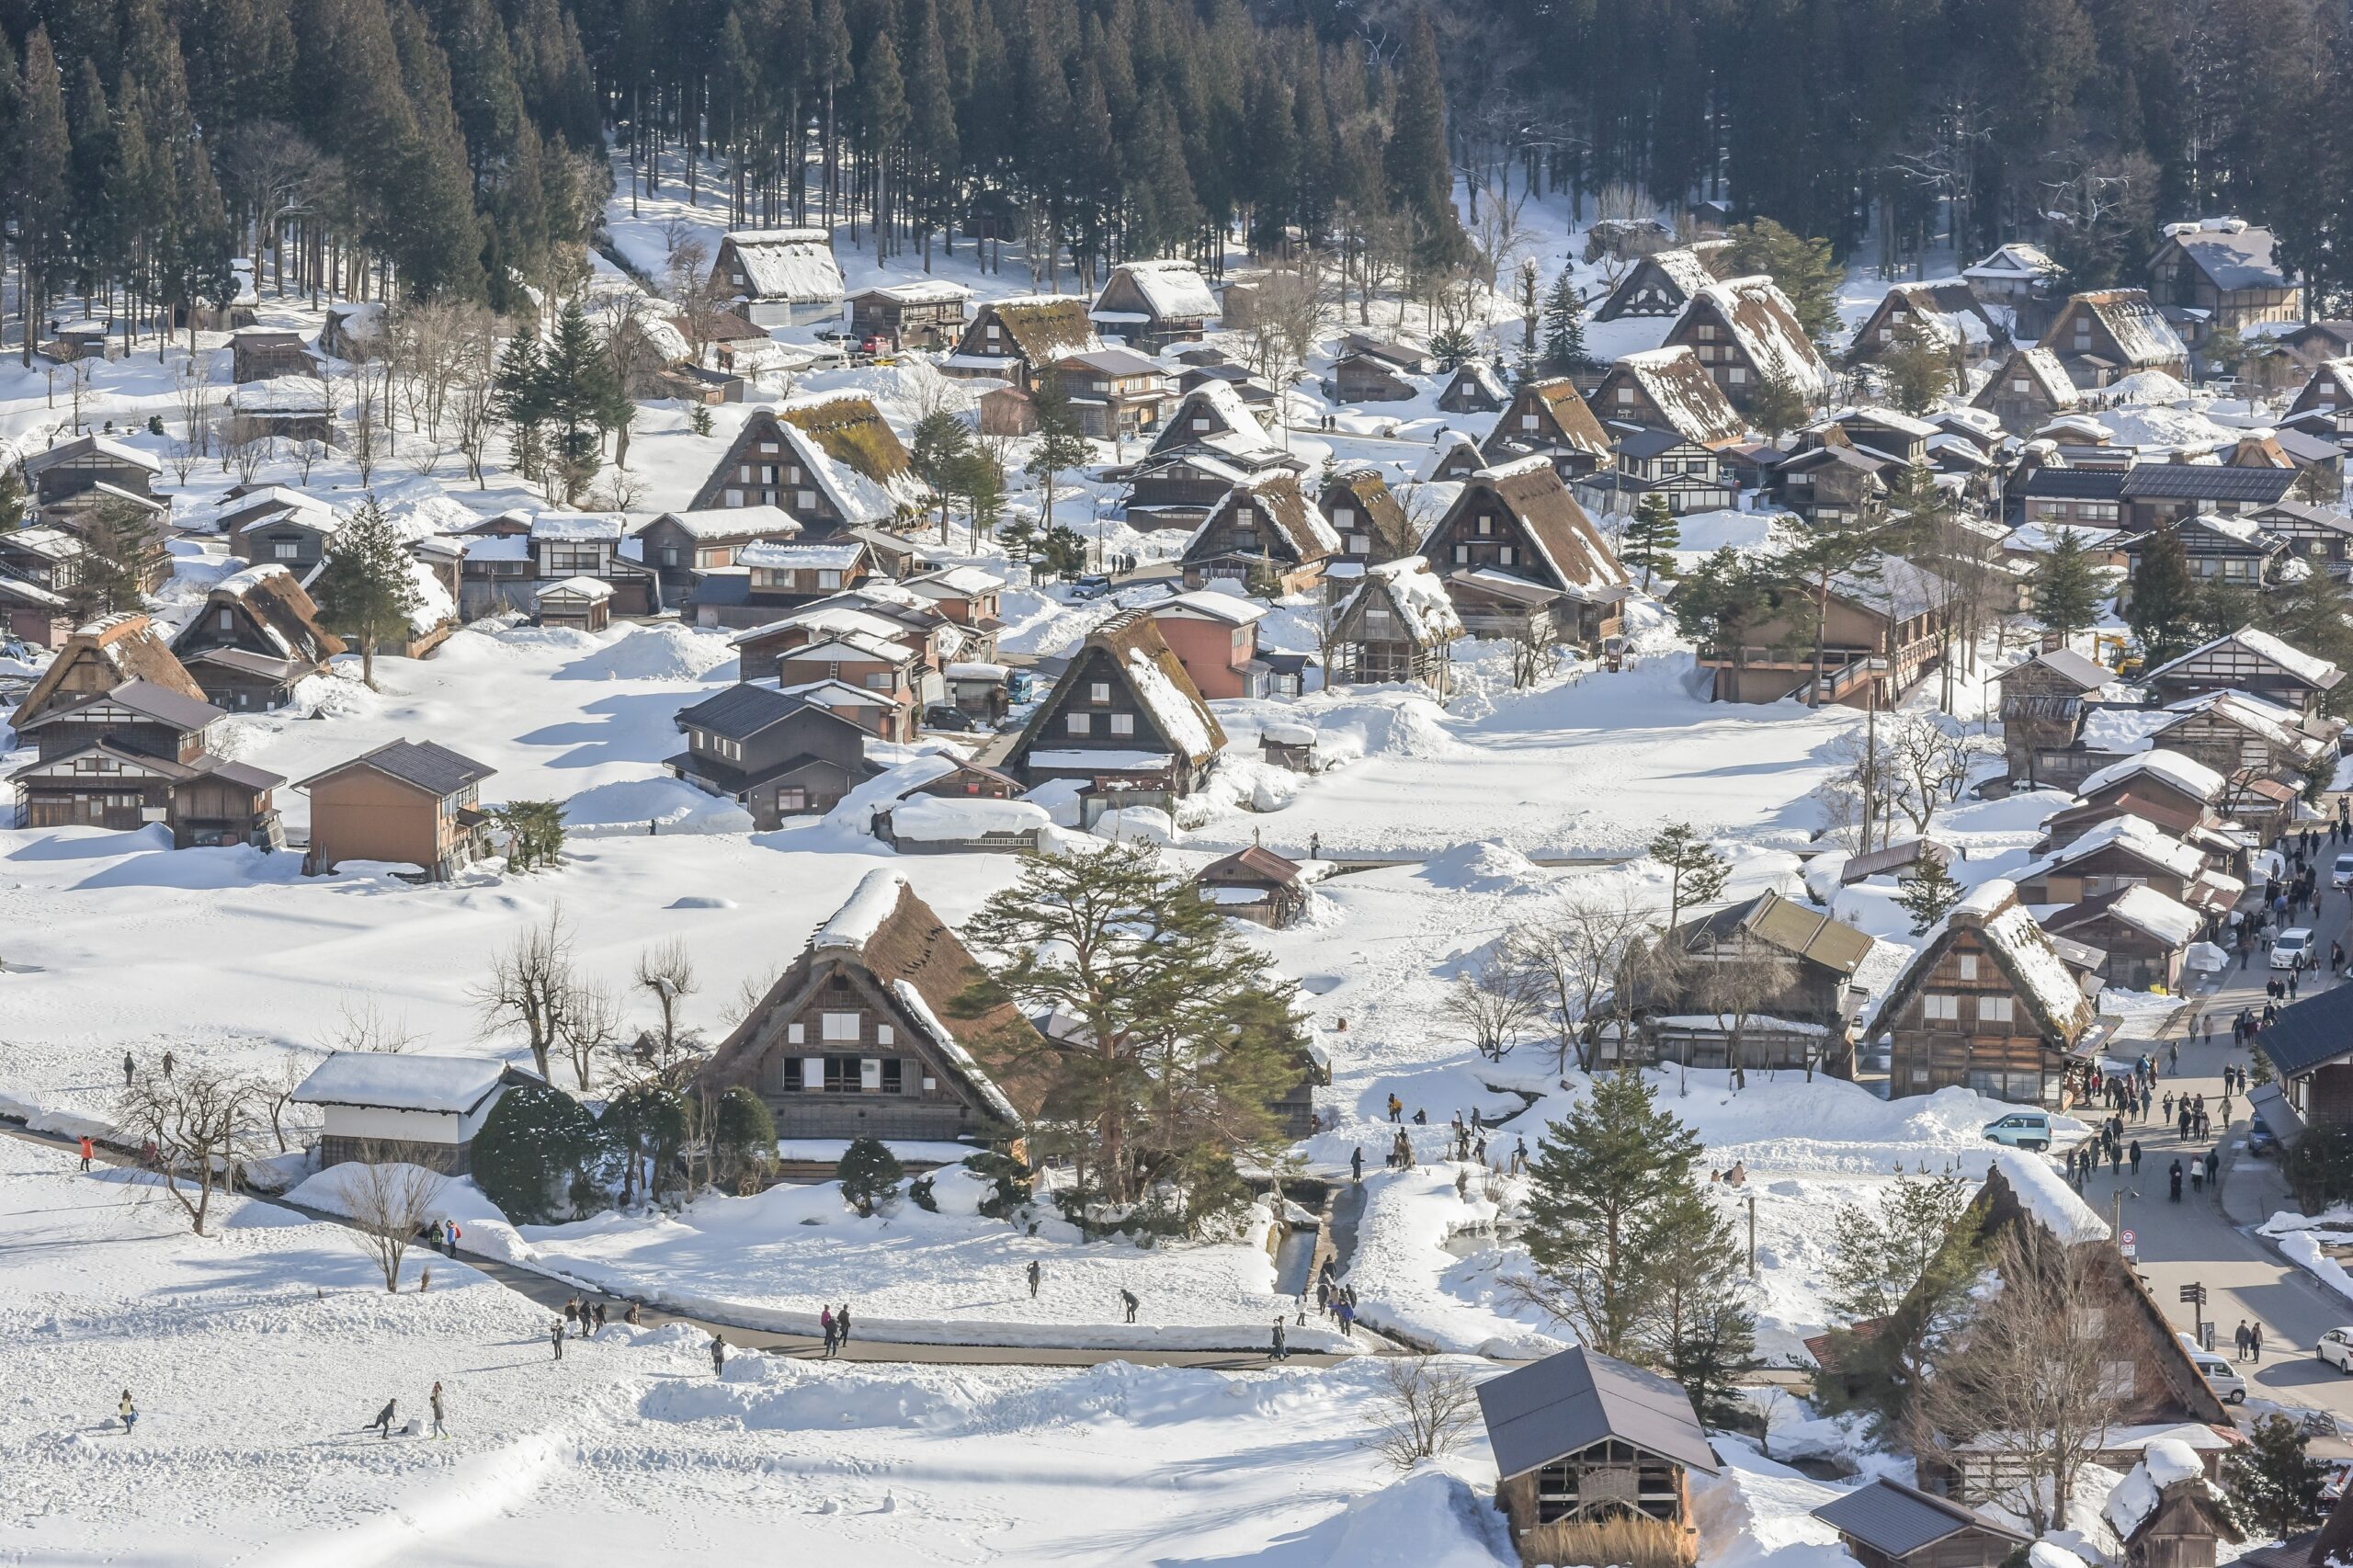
2132,1244
2195,1297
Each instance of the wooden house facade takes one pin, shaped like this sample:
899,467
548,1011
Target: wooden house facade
1879,639
1987,1004
779,277
1124,716
924,314
1365,515
677,547
1014,340
1152,304
1549,418
2030,390
1747,332
2044,697
1667,389
1397,624
1945,317
405,803
1515,544
2223,276
776,753
256,637
1663,282
1885,1524
2248,661
2107,334
1266,535
868,1034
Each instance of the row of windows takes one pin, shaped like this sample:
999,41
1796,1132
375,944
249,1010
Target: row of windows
833,1028
1114,723
717,745
1945,1008
853,1076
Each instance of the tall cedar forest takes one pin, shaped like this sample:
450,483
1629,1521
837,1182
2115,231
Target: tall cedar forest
376,148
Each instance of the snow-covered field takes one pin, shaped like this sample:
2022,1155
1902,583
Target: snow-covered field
256,1355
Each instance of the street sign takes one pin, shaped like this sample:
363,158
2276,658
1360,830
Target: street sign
2194,1297
2131,1247
2191,1295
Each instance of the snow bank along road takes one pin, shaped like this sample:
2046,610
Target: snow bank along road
551,1291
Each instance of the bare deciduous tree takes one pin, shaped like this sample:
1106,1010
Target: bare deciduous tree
1579,955
667,972
361,1024
530,987
1427,1408
192,390
2023,1381
750,992
389,1201
1929,763
278,1093
1496,1003
591,1025
1735,984
201,1124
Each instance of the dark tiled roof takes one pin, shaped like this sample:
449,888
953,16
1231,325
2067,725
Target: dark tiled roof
2074,485
145,698
2206,482
1570,1401
2309,1033
425,764
1891,1517
742,712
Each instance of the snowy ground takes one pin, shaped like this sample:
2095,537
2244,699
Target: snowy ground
254,1356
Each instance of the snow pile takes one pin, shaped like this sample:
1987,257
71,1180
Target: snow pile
664,805
1430,1519
935,817
1486,866
668,651
401,1082
2167,1461
1178,716
2186,773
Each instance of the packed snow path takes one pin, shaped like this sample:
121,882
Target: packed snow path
551,1290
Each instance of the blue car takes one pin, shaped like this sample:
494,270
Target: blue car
2260,1139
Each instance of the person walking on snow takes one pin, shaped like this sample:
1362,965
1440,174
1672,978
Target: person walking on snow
1279,1353
449,1231
1355,1164
718,1357
87,1150
1128,1300
841,1325
130,1069
826,1322
438,1430
556,1334
1397,1108
128,1412
1037,1271
383,1422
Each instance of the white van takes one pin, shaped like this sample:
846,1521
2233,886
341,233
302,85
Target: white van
2217,1371
2021,1130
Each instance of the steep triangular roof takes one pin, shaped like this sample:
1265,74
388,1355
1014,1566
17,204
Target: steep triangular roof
1680,389
102,656
1129,645
890,937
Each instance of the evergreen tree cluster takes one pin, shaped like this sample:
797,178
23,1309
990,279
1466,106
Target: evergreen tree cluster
367,146
2080,123
1114,128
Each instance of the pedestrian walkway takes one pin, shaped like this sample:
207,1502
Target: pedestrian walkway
2206,1238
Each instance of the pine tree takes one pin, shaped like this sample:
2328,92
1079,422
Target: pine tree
2064,590
1696,870
940,446
583,395
1060,448
2164,598
1918,372
1565,351
1651,535
1603,1188
120,545
1421,173
1452,346
367,590
1776,405
980,481
1705,1333
12,496
39,190
1805,269
1183,1030
2272,1482
1929,892
520,399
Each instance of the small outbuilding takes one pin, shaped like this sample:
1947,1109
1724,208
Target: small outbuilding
1255,884
584,604
419,1110
1890,1525
1584,1443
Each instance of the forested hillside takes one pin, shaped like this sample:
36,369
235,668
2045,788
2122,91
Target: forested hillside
451,146
1839,116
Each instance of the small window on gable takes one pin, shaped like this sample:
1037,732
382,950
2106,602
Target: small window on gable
1967,962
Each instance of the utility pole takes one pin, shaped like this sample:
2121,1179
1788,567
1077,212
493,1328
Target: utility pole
1752,1235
